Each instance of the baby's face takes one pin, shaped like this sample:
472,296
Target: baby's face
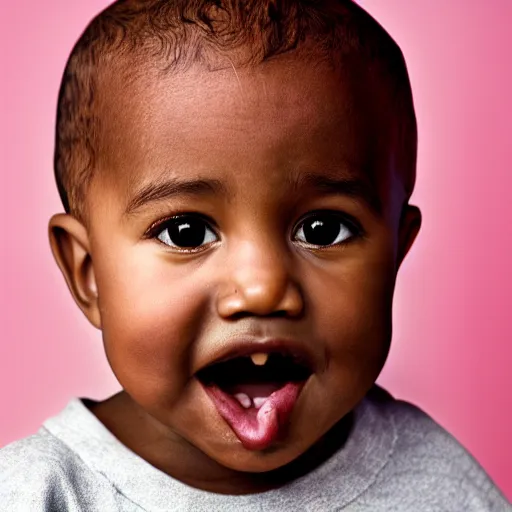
246,213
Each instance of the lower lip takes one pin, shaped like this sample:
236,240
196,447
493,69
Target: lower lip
257,429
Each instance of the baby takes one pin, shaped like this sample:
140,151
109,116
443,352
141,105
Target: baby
236,177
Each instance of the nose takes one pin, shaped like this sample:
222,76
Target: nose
258,282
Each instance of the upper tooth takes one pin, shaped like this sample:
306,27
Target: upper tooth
259,359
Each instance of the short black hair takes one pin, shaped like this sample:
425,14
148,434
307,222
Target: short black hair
179,33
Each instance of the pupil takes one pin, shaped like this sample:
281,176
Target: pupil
187,233
321,231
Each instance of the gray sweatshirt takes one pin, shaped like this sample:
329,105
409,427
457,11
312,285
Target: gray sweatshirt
395,459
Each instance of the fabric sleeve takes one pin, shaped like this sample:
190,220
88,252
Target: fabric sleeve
39,474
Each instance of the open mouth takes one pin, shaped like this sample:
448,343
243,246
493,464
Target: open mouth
255,393
252,379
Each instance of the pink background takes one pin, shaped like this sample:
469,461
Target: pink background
452,351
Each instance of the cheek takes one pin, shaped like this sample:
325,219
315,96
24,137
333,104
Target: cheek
150,311
353,311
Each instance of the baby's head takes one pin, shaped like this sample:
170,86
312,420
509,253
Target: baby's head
236,176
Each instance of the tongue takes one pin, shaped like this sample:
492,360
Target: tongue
257,429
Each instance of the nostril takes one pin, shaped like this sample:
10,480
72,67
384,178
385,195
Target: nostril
239,315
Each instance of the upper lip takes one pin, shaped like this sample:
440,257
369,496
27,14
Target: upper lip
247,346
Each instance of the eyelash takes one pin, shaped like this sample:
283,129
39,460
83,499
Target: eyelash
158,227
347,220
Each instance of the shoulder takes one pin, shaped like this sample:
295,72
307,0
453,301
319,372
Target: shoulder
40,473
429,468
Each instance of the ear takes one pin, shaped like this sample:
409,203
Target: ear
70,246
410,223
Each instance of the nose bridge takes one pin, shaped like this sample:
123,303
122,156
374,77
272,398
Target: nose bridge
259,280
258,263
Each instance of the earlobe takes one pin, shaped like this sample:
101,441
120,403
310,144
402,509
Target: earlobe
69,242
410,223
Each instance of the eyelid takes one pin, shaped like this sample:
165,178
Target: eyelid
157,226
349,220
354,225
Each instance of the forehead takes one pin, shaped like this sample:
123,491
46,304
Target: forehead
271,121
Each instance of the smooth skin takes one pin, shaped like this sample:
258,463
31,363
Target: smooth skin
269,145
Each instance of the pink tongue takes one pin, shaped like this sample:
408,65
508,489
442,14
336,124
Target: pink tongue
257,429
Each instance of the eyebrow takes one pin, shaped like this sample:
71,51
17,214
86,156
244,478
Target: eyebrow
356,188
171,187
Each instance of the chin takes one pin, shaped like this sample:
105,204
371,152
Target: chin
235,456
258,462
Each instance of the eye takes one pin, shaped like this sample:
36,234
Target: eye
324,229
186,232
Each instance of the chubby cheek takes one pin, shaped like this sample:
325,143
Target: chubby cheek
150,311
352,311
